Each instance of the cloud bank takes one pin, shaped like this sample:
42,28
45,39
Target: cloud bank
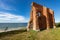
11,18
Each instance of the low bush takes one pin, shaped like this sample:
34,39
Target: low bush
57,24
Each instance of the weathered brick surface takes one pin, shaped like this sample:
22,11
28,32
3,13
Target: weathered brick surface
41,18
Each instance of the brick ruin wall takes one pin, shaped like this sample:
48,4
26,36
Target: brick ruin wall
41,18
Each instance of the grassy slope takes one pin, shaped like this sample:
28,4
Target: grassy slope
51,34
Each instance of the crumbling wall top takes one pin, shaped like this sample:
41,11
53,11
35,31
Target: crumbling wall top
35,5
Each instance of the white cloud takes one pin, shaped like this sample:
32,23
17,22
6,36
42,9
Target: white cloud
11,18
57,20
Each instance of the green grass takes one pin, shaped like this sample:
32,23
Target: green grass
51,34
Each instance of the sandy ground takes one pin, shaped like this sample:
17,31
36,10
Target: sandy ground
1,31
10,29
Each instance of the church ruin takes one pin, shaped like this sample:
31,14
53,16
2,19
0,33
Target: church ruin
41,18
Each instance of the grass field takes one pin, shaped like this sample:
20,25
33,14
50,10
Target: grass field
51,34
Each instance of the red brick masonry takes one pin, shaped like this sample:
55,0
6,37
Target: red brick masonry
41,18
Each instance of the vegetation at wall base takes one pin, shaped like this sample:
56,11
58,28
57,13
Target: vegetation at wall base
51,34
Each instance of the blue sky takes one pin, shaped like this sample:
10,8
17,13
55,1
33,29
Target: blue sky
14,11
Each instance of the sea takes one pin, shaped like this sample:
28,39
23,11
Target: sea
3,26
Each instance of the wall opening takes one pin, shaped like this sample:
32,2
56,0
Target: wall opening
39,14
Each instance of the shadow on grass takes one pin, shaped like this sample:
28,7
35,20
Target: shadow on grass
12,32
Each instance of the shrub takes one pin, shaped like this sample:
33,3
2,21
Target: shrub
57,24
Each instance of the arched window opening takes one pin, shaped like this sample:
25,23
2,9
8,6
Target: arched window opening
39,14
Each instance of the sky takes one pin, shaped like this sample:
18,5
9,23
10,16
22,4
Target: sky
18,11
